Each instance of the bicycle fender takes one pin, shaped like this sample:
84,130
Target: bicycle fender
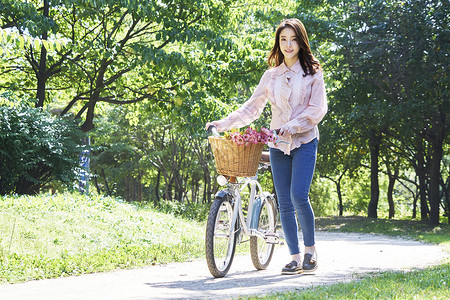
256,210
223,194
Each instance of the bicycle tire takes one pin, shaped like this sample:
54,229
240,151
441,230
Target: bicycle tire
219,244
260,251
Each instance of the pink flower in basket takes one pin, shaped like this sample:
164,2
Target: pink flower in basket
250,136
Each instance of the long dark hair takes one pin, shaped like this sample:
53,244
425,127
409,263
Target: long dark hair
307,60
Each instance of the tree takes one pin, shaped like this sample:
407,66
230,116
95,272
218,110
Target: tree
27,17
396,55
118,52
168,137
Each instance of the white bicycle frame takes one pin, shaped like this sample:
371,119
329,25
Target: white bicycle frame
246,224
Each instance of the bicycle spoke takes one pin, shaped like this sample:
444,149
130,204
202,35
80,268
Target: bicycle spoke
260,248
220,237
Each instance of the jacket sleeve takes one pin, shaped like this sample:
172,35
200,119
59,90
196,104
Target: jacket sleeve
250,110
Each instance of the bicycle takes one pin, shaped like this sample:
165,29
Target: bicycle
227,224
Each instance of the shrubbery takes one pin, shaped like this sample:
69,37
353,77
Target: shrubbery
191,210
36,148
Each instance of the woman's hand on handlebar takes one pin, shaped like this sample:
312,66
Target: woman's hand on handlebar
281,131
213,123
212,128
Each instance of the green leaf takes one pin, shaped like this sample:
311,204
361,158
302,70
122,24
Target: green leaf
37,44
58,46
50,46
45,43
21,42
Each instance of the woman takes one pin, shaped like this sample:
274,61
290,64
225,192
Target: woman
295,87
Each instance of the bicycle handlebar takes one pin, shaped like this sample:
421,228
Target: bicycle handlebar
213,130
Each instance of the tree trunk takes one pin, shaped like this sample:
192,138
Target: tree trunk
207,188
203,159
415,196
392,179
194,187
96,183
374,144
158,179
127,188
341,205
139,191
421,173
108,191
88,124
435,172
446,191
197,192
339,192
447,199
414,214
42,67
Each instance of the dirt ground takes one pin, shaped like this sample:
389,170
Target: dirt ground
342,256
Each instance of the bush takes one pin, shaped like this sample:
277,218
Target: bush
186,210
36,148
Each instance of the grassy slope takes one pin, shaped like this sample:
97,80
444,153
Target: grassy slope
52,236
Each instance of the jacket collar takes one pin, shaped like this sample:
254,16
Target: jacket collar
297,68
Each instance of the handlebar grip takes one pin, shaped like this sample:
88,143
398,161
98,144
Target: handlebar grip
213,130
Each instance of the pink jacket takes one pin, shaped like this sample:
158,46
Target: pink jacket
298,104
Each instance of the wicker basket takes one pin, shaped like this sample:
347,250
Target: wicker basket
234,160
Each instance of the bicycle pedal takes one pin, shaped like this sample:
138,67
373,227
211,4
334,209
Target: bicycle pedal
272,238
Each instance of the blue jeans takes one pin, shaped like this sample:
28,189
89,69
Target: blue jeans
292,176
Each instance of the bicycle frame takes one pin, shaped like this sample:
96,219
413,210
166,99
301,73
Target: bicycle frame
254,206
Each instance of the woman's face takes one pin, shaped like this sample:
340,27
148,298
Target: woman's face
289,44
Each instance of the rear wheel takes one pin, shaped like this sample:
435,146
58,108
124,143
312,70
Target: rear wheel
261,252
221,237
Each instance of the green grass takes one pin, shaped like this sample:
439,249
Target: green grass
51,236
416,230
48,236
429,283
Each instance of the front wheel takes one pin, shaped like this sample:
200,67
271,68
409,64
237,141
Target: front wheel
221,237
261,251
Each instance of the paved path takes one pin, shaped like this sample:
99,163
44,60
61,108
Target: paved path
341,256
